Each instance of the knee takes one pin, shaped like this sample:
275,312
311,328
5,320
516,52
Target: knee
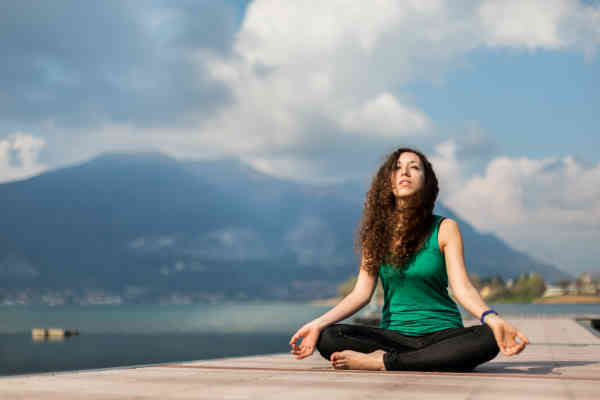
489,342
326,345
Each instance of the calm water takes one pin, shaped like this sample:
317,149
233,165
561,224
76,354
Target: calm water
129,335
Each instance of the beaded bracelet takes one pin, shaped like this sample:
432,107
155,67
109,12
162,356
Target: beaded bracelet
490,311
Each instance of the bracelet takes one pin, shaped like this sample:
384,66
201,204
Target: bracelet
490,311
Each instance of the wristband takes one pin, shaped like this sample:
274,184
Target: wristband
490,311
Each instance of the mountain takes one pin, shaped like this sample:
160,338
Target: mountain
487,255
145,226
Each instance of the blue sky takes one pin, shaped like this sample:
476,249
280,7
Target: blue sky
536,104
502,96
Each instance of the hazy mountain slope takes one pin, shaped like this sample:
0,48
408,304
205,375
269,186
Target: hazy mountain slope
148,222
487,255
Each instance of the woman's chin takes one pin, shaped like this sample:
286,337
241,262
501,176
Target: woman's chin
401,194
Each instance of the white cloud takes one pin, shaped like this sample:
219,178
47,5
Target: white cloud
528,23
549,24
309,79
549,208
282,167
19,156
385,116
322,72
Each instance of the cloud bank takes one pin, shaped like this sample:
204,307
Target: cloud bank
19,154
548,207
287,90
307,90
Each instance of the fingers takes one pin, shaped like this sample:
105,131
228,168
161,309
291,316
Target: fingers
506,337
303,352
295,338
520,346
308,337
519,349
514,350
522,337
511,346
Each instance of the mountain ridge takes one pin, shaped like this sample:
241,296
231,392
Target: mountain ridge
164,227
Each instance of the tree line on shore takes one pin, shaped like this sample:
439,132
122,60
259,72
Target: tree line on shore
526,288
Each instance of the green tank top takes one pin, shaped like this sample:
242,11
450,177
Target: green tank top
416,296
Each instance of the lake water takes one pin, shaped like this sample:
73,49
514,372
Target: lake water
142,334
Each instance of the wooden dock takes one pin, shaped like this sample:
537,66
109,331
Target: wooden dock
562,362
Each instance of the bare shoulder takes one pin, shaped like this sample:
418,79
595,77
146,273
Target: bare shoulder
448,230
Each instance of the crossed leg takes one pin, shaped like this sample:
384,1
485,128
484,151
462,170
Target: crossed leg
360,347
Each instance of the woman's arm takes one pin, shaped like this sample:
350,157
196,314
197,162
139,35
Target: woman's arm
357,299
354,301
451,245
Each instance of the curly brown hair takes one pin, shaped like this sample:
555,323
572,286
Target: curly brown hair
382,224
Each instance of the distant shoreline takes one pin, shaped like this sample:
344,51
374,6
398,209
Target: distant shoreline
569,299
566,299
332,301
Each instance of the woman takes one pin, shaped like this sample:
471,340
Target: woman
416,254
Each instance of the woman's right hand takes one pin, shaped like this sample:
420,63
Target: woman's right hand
309,335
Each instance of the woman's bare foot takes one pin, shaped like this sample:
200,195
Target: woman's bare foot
349,359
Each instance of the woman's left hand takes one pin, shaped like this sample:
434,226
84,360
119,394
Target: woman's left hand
506,335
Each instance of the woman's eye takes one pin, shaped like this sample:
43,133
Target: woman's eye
413,166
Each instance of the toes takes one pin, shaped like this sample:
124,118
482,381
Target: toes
340,365
338,360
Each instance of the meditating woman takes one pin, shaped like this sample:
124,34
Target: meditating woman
415,254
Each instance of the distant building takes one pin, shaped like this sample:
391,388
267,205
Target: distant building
585,278
586,284
552,291
572,289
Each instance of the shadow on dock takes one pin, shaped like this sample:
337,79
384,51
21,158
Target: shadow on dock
531,367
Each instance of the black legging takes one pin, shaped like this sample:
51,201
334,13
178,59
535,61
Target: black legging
454,349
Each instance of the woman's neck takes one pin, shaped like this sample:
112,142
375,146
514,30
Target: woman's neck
401,203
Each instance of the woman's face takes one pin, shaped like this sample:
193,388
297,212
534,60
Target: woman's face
408,176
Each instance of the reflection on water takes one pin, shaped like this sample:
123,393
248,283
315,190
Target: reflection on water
130,335
22,354
36,338
147,319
